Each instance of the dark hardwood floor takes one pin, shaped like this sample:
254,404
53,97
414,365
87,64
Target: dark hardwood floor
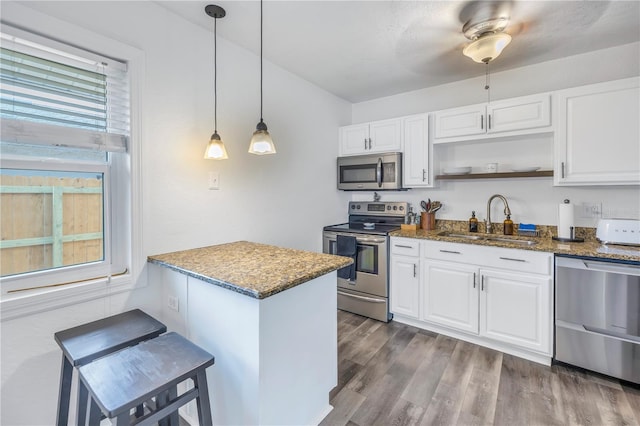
394,374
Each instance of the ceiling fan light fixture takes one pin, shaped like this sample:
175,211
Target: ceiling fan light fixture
487,47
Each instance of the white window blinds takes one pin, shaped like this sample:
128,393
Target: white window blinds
53,94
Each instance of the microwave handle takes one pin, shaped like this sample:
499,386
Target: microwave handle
379,172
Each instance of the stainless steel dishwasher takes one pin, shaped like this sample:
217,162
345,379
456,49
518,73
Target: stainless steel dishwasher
597,323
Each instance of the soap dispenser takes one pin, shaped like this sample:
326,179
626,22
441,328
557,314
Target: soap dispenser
508,226
473,222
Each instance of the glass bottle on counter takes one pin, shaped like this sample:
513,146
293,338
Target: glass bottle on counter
508,226
473,222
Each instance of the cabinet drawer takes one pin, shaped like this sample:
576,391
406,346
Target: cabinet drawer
405,246
518,260
453,252
491,257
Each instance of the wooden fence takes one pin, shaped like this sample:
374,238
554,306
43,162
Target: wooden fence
47,222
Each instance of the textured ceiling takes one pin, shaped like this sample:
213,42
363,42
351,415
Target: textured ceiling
362,50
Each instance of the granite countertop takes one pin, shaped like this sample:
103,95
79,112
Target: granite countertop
256,270
588,248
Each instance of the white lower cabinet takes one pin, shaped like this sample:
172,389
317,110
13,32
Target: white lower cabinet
405,274
515,308
450,295
497,297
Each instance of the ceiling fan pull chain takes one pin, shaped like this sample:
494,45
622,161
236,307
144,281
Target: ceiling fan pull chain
487,85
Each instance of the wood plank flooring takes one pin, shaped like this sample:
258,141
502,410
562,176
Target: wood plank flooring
395,375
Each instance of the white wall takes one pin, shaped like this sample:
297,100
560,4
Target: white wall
531,200
283,199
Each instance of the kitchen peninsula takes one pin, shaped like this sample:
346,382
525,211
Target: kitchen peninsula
268,315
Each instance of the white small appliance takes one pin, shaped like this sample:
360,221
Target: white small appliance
619,231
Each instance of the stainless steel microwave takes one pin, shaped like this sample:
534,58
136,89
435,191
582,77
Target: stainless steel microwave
371,172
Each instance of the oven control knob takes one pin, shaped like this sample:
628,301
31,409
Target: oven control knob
388,207
353,206
401,208
395,207
358,207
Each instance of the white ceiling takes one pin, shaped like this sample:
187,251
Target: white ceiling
360,50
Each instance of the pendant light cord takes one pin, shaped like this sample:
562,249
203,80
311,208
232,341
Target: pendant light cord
215,75
260,60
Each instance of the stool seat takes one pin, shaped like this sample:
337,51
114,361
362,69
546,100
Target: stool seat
82,344
86,342
123,380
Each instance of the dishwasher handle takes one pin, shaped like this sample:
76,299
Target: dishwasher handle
586,264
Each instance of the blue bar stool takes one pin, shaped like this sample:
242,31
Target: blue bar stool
119,382
82,344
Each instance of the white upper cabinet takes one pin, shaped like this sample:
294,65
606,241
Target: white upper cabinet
370,138
416,166
597,137
510,117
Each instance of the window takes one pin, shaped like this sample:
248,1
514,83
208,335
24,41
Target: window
64,165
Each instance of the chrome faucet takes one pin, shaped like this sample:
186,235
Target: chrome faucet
507,211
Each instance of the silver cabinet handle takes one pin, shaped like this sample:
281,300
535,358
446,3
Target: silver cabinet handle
369,143
368,299
365,143
562,169
424,174
450,251
474,280
489,121
482,282
482,121
402,246
414,270
512,259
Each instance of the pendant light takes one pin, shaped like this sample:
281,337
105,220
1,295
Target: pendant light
215,149
261,142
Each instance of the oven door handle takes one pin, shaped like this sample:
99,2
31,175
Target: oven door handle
360,238
379,172
366,299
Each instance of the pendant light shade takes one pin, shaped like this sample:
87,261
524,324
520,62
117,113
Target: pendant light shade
487,47
215,149
261,142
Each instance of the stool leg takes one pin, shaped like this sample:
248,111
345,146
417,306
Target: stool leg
81,406
94,414
173,418
202,401
162,400
64,395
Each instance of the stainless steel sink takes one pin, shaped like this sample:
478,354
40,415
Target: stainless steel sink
464,236
512,241
487,238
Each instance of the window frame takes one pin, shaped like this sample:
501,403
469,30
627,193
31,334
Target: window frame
125,174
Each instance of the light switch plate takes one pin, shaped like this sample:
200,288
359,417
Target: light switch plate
214,180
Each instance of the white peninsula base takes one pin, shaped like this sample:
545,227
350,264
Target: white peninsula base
275,358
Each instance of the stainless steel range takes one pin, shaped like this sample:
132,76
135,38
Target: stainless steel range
369,224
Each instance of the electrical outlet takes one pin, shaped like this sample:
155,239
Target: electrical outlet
214,180
173,303
591,210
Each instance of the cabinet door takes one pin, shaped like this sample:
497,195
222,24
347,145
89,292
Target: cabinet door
354,139
450,295
523,113
460,121
415,135
597,134
405,286
386,136
516,309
